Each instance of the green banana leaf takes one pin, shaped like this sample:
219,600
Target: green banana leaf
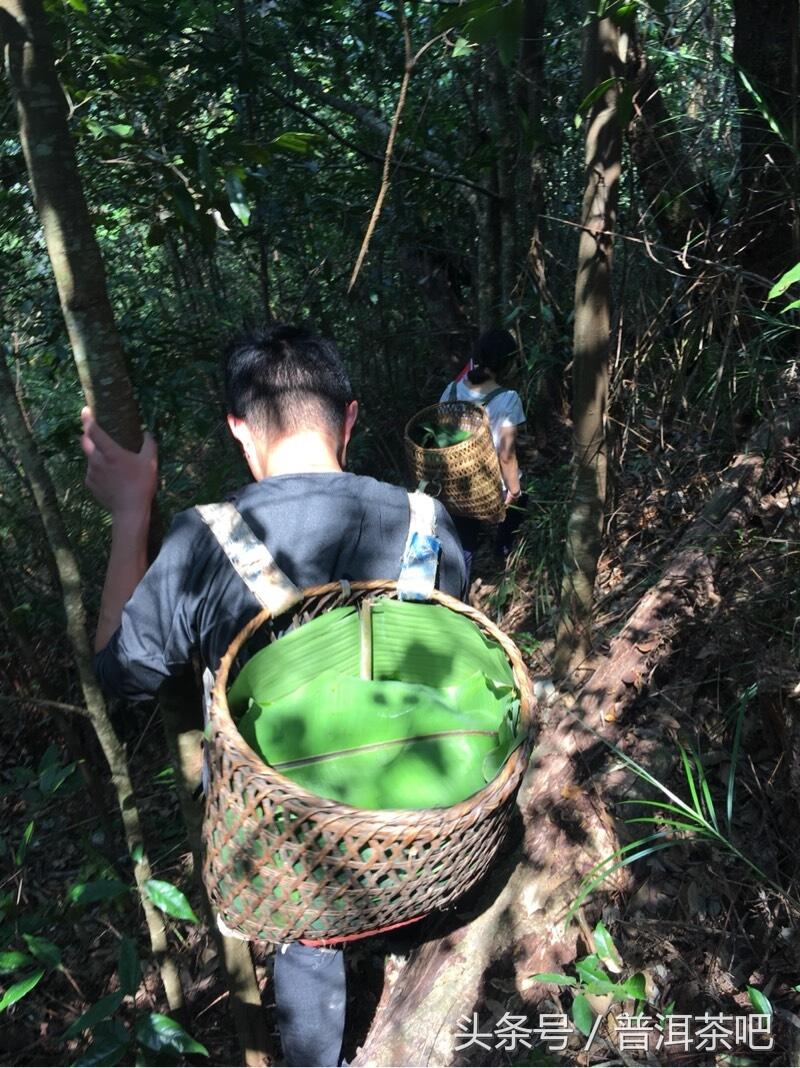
423,773
430,644
334,714
435,721
328,643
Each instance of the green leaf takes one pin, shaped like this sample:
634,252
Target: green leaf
759,1001
101,1010
130,970
97,890
54,776
111,1044
79,5
605,944
554,977
785,280
12,960
582,1015
45,951
121,129
635,987
738,712
170,899
462,47
157,1032
595,94
590,970
237,197
20,989
22,848
790,307
293,141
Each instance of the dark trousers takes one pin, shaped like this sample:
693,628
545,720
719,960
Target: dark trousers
469,531
310,998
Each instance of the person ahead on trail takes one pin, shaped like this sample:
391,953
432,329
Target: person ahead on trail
291,408
492,357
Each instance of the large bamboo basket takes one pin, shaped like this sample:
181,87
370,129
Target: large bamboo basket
466,477
282,864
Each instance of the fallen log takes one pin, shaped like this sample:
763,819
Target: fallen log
514,926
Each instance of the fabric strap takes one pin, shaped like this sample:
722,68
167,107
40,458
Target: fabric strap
250,558
453,394
421,554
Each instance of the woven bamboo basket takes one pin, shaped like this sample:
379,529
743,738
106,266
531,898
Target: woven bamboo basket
281,864
466,477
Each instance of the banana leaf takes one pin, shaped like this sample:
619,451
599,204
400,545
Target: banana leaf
336,714
433,724
429,644
329,642
421,773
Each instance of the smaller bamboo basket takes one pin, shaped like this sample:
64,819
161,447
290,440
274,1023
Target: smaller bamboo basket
281,864
466,477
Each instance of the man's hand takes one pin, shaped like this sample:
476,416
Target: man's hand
122,481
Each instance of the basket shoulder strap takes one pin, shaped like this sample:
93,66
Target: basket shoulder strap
250,558
490,396
453,394
421,554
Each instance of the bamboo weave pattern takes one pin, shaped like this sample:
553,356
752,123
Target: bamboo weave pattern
465,477
282,864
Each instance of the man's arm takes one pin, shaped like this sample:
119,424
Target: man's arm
124,482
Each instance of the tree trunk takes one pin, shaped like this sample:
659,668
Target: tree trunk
603,45
71,244
69,576
765,47
673,193
530,95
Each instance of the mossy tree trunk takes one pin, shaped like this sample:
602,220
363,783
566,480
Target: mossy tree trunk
604,48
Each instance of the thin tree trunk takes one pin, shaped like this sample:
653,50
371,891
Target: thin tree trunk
71,244
70,579
603,43
765,48
673,192
504,128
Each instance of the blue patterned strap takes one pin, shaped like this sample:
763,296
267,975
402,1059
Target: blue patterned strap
250,558
421,555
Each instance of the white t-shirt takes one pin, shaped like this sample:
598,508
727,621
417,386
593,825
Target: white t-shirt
503,410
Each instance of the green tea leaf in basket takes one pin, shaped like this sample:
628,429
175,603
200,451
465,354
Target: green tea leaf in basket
440,436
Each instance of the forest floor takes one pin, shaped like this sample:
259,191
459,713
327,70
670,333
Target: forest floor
694,920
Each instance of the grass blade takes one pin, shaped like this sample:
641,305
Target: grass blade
739,711
687,770
621,858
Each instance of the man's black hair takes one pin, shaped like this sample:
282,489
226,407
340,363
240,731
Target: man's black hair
494,350
285,378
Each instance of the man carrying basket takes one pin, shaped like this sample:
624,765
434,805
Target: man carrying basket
291,408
